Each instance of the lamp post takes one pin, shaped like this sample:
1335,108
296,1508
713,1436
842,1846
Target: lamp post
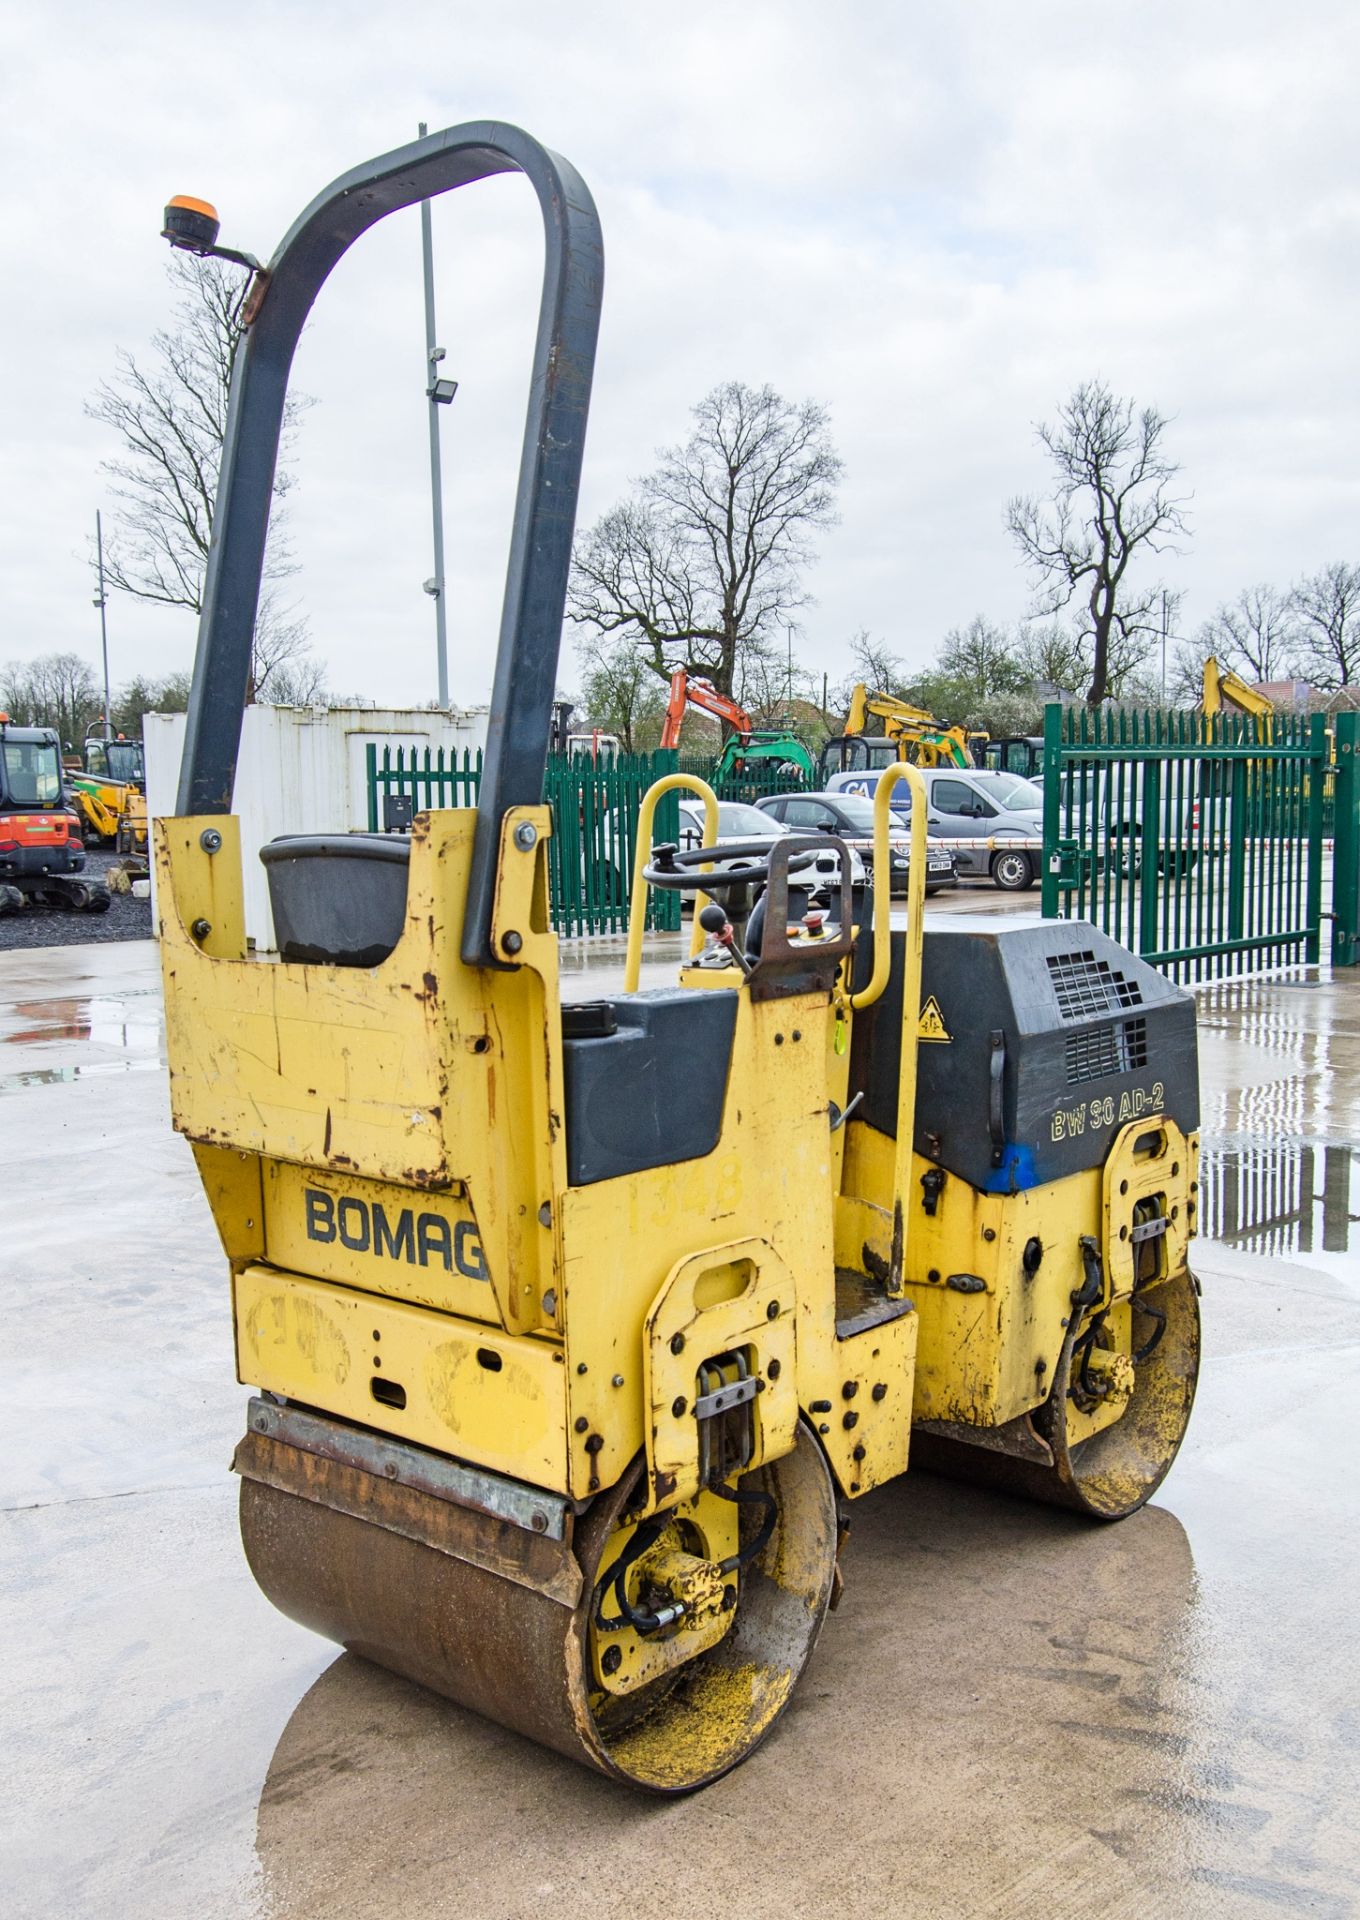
439,393
101,601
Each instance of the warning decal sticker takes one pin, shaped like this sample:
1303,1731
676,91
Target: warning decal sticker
931,1025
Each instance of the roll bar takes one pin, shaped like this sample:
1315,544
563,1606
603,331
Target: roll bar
637,911
545,501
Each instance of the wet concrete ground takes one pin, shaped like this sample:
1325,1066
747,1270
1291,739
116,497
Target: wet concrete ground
1013,1714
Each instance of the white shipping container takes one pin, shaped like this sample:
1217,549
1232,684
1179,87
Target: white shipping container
301,770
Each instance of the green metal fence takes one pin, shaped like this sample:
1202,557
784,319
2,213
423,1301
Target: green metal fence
590,857
1188,839
595,807
1346,849
426,777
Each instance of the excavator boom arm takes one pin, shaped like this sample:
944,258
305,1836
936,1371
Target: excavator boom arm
1224,691
698,693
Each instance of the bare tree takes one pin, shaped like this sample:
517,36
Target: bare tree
284,672
620,693
1133,673
704,562
981,658
1055,655
880,669
1111,502
55,690
1327,604
1186,680
873,665
295,680
169,413
771,682
1259,630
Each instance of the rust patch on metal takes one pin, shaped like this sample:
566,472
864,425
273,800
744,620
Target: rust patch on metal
431,1179
512,1553
250,307
874,1264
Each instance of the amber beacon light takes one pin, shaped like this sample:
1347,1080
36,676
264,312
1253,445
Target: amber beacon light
192,226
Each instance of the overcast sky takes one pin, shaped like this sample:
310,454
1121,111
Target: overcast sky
934,219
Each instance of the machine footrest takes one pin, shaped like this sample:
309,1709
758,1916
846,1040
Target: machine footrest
861,1303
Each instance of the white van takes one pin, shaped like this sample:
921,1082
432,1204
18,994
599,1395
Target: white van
974,812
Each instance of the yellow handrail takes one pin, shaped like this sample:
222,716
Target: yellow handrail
637,910
916,881
911,984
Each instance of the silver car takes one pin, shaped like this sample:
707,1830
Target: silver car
852,817
737,821
974,804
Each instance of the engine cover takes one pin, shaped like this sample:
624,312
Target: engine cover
1039,1040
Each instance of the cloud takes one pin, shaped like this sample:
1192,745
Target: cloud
935,220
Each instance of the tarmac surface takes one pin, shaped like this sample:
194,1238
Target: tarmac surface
1014,1713
123,919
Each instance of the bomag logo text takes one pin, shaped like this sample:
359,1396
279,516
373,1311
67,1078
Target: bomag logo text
421,1239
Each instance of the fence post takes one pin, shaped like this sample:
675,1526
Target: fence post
371,774
1346,844
1237,848
1149,857
1317,780
1053,719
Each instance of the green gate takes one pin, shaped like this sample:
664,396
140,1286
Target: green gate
1190,840
595,808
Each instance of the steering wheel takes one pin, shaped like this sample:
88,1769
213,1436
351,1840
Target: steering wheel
684,871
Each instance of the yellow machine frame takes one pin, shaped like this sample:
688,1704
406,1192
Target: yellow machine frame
578,1452
292,1086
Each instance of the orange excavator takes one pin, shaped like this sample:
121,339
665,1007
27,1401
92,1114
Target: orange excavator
748,742
42,856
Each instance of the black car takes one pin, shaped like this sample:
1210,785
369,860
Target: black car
852,817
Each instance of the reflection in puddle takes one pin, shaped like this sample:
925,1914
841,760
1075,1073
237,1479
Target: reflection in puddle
1286,1197
52,1076
125,1027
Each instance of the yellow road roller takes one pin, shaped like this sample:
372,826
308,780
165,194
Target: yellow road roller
577,1329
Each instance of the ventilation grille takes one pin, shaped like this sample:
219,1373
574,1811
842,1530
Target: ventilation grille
1082,984
1101,1051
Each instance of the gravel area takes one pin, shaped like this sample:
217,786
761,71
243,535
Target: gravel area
126,919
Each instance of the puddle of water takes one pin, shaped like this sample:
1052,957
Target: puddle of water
106,1020
1281,1197
53,1076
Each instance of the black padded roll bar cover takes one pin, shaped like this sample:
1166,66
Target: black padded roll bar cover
545,503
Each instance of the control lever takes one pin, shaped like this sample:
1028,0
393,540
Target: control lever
714,921
839,1115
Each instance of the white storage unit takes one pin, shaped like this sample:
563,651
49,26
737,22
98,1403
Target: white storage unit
302,770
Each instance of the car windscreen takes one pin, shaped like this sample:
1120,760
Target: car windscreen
32,773
1010,793
856,811
739,822
736,821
